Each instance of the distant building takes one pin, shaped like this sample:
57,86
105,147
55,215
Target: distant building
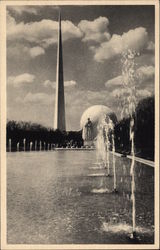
90,120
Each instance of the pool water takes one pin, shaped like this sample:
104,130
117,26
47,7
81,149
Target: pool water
63,197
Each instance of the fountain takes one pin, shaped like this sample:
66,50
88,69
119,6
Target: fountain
129,106
100,146
40,146
35,145
24,144
105,130
44,146
109,129
10,145
114,163
30,146
48,146
18,146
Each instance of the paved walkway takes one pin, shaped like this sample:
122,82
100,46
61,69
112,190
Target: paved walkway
141,160
147,162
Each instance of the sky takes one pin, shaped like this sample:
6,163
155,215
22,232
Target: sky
94,40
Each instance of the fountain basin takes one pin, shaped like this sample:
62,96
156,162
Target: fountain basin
50,199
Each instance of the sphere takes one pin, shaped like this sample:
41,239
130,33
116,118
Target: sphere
95,113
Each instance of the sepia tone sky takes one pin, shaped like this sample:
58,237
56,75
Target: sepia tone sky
94,38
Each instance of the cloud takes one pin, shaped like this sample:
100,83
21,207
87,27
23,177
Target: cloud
36,51
145,80
96,30
122,93
27,52
48,83
116,81
69,83
143,93
151,46
145,73
17,81
36,98
30,9
119,92
136,39
86,98
24,8
43,33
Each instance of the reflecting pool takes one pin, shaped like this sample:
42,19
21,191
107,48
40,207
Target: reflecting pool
64,197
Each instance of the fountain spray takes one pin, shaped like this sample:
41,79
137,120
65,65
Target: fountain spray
35,145
111,127
103,141
30,147
24,144
106,130
133,178
107,145
18,146
10,145
100,145
40,145
129,106
114,163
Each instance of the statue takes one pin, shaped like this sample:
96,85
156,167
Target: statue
88,131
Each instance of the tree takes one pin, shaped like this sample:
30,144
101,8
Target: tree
36,133
145,127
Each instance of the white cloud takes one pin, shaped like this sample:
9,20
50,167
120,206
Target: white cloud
29,9
86,98
17,81
151,46
145,73
36,51
24,8
145,80
49,83
96,30
143,93
136,39
69,83
117,81
26,52
36,98
42,33
119,92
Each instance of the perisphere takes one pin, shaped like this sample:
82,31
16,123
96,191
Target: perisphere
95,113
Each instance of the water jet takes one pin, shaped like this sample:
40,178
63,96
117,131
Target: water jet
10,145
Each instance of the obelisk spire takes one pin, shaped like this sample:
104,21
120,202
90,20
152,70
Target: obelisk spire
59,116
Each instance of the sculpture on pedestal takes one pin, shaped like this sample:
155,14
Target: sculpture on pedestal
88,133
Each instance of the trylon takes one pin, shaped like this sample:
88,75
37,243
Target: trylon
59,116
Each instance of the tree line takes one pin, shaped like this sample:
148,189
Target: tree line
48,137
144,130
38,134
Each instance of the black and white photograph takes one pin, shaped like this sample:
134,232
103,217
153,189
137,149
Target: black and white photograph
79,125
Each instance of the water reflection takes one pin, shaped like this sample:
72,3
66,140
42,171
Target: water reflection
51,199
